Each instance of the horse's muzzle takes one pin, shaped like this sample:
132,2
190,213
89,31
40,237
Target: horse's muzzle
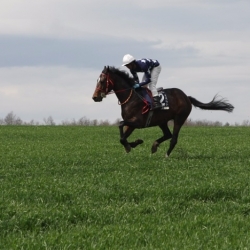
97,98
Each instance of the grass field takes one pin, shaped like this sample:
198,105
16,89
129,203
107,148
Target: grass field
76,188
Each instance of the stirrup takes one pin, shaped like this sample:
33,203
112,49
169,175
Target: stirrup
156,106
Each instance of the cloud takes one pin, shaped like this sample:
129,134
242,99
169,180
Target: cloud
89,52
66,93
95,52
53,51
61,19
60,92
93,33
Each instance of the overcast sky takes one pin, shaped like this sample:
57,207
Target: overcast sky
53,51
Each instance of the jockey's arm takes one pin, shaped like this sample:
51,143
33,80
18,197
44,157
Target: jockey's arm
136,78
147,78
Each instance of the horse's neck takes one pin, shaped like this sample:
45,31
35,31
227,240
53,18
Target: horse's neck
121,88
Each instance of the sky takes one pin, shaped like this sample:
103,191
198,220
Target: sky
53,51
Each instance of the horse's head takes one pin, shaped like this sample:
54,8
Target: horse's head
104,85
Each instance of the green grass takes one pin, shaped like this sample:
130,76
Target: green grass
76,188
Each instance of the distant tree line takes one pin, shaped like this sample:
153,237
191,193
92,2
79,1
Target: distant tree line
12,119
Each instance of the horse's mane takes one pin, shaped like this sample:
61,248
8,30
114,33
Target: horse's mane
123,74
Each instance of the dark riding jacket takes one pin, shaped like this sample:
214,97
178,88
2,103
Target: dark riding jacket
144,65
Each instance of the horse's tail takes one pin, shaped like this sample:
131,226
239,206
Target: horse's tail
215,104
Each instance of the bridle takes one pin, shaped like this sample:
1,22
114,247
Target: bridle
108,83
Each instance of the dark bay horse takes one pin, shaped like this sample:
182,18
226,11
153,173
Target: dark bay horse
132,106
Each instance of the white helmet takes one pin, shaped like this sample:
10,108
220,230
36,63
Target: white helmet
127,59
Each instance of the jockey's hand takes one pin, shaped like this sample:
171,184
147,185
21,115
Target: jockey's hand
137,85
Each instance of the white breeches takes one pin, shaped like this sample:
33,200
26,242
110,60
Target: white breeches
154,78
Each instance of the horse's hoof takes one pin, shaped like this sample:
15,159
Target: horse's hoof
166,155
154,147
139,141
128,149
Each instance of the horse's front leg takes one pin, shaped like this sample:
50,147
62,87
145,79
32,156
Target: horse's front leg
125,134
121,125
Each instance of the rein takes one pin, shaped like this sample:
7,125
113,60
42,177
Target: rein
126,99
109,82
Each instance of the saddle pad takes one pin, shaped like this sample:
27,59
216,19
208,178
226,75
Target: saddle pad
163,99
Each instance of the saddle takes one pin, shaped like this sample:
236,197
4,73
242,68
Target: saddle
148,98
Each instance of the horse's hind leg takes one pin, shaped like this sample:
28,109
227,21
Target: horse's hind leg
166,135
177,126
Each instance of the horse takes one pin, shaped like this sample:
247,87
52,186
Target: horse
136,113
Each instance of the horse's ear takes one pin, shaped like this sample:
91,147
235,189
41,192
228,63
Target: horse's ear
106,69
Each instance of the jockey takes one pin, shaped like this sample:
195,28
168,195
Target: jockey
151,69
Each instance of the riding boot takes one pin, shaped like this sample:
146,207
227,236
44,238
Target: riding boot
157,103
